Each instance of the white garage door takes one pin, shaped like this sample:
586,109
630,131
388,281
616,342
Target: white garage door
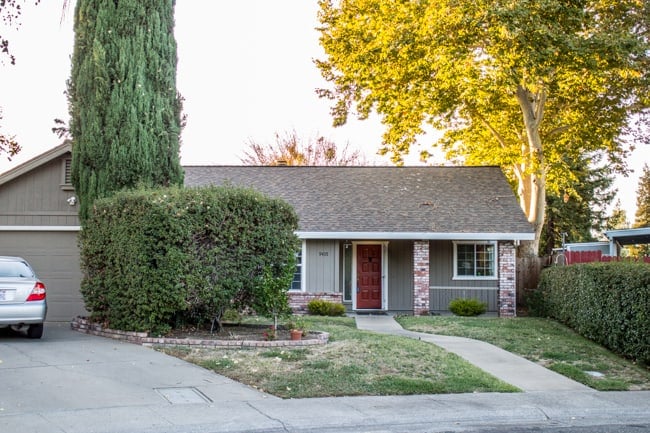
55,258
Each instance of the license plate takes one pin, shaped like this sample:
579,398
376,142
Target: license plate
6,295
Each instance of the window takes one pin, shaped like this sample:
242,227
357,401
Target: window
347,272
297,275
474,260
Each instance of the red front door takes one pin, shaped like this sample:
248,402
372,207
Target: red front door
369,277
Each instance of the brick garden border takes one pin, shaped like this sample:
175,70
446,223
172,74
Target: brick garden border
83,325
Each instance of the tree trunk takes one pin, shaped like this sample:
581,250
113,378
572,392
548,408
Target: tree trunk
532,182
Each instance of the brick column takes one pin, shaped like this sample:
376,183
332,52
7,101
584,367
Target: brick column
420,277
507,279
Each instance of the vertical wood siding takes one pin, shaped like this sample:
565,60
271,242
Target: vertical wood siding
37,198
400,276
441,256
444,288
322,266
441,296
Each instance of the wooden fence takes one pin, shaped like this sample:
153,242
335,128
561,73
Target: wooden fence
575,257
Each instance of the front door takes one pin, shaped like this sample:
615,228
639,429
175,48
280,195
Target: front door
369,277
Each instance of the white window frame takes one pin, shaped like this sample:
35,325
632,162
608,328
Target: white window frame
495,263
301,265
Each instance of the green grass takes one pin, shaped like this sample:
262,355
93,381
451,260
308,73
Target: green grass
545,342
354,362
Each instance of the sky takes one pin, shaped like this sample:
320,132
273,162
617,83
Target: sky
245,69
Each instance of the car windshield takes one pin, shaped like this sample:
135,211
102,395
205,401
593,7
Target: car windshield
15,270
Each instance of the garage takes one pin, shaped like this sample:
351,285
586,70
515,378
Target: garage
39,222
55,258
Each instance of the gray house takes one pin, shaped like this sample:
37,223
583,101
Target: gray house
38,221
399,239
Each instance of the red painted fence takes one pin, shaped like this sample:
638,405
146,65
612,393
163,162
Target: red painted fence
574,257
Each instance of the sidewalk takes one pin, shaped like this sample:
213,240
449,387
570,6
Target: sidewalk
513,369
75,383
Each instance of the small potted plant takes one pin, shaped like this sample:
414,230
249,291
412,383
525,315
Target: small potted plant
297,328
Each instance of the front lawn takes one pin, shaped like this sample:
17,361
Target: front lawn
545,342
354,362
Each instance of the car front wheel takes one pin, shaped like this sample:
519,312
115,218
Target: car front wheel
35,331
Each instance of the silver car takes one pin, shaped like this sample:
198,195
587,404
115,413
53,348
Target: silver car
22,297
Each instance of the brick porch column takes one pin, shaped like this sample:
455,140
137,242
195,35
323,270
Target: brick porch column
507,279
420,277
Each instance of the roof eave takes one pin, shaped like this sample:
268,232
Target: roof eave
417,236
36,162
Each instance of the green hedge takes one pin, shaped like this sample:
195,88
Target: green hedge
606,302
153,259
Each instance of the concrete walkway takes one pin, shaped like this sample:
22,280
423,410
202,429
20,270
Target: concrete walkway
513,369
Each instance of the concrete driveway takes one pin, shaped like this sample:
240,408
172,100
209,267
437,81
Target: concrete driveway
75,383
52,384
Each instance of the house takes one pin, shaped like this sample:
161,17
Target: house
38,221
398,239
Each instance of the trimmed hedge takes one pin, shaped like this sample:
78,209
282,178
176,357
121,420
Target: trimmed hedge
606,302
153,259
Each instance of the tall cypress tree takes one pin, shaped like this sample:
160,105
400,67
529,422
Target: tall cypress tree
125,110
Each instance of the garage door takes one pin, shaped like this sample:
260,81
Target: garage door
55,258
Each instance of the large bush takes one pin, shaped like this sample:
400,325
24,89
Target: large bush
605,302
155,258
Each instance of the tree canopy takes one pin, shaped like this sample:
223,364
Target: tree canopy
582,214
124,107
527,85
290,149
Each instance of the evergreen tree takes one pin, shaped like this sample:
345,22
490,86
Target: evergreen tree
642,216
579,208
124,107
618,218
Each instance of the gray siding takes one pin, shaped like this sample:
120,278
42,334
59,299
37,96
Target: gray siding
38,198
400,276
440,297
444,288
441,266
321,265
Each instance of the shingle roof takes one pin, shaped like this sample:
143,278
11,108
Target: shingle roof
426,202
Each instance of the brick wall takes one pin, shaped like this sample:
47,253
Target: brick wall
420,277
298,300
507,279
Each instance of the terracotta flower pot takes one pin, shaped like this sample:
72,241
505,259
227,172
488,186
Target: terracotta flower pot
296,334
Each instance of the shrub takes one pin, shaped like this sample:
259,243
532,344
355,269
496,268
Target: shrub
606,302
152,258
321,307
467,307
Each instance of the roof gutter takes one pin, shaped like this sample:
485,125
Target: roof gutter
417,236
